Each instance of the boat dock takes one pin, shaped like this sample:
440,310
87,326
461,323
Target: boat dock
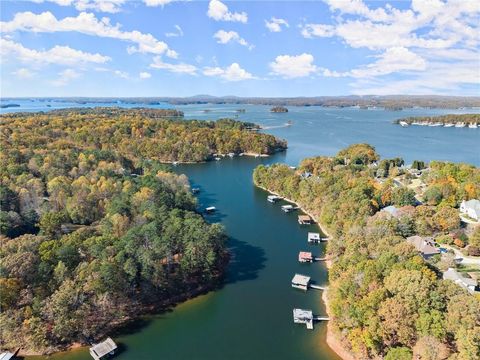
303,282
306,256
305,220
273,198
210,209
288,208
315,238
302,316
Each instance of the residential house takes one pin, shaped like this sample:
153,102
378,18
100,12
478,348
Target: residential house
471,208
453,275
424,245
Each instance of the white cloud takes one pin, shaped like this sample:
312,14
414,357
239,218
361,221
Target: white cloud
158,2
109,6
291,66
230,73
144,75
121,74
66,76
178,33
275,25
219,12
180,68
61,55
318,30
224,37
86,23
24,73
395,59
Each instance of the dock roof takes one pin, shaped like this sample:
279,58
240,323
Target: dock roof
301,279
103,348
314,236
302,314
305,255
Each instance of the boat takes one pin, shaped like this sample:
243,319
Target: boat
403,123
231,155
460,125
473,126
449,125
218,159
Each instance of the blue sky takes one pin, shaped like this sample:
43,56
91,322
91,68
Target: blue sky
243,48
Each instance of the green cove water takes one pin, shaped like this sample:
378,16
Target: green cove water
250,316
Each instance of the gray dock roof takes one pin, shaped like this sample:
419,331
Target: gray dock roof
103,348
301,279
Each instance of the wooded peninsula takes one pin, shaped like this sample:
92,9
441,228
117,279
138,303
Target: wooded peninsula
445,120
95,229
387,299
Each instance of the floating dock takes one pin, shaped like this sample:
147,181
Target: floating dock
210,209
305,256
273,198
315,238
101,350
288,208
305,220
302,316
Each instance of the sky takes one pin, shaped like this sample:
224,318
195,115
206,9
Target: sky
243,48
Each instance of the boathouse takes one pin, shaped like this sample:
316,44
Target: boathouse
210,209
100,350
300,282
314,237
305,256
273,198
287,208
304,220
301,316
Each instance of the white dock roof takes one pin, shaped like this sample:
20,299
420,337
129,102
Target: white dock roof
313,236
103,348
6,356
302,314
301,279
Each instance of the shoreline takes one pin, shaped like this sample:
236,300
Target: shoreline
332,338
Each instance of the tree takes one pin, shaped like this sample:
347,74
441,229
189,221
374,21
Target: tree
50,223
403,196
399,353
430,348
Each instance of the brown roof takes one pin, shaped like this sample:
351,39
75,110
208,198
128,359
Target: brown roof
424,245
304,218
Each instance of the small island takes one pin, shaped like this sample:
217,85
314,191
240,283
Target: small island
279,109
6,106
471,121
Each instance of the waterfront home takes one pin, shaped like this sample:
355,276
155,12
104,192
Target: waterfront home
305,256
304,220
471,208
273,198
469,284
101,350
314,237
424,245
301,316
301,282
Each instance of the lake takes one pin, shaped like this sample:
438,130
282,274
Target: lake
250,317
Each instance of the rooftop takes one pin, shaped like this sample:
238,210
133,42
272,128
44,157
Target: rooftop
425,245
301,279
103,348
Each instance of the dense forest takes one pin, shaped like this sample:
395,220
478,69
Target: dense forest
140,133
95,230
443,119
385,299
395,102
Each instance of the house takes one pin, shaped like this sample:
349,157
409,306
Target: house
424,245
392,210
305,256
304,220
300,281
453,275
103,349
471,208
